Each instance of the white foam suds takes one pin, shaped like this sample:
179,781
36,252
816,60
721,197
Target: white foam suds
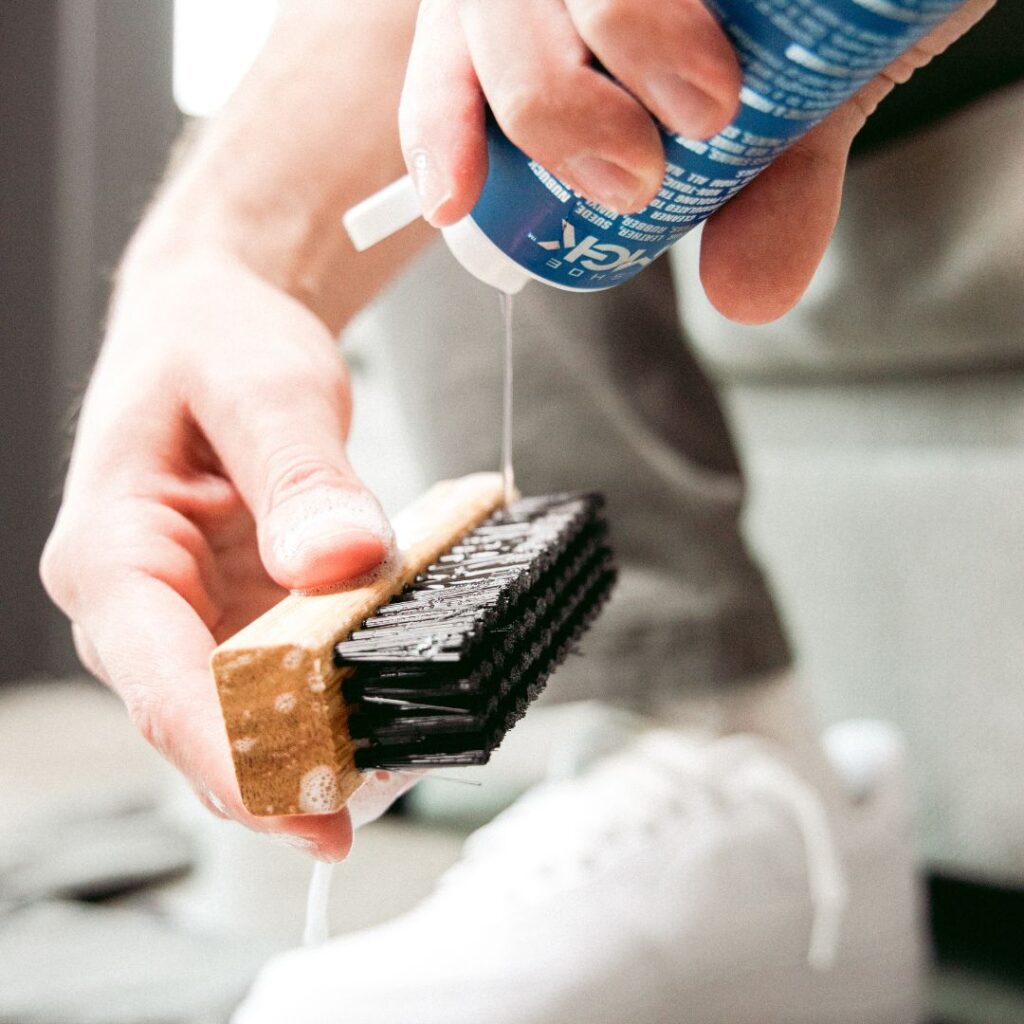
378,791
292,659
284,702
318,791
386,568
329,511
244,745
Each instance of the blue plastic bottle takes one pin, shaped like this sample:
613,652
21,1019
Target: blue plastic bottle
800,60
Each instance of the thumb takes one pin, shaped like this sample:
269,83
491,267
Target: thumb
760,251
317,524
278,427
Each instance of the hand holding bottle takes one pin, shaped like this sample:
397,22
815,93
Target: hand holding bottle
533,62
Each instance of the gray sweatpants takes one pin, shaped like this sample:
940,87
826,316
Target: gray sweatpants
923,277
608,397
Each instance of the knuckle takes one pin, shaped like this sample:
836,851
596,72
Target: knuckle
60,564
316,386
290,380
605,19
51,567
295,468
271,370
525,110
146,714
81,576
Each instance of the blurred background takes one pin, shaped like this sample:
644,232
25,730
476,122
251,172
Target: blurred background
114,885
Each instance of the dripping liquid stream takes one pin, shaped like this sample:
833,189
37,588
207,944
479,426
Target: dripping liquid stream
317,930
507,474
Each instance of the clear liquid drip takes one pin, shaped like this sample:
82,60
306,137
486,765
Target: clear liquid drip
507,474
317,929
317,901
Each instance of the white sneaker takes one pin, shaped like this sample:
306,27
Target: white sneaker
683,879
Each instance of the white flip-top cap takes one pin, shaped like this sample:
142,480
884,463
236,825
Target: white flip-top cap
392,208
397,205
482,258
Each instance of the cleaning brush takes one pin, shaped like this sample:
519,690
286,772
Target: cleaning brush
445,669
485,601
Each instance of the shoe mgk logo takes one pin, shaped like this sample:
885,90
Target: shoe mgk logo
593,254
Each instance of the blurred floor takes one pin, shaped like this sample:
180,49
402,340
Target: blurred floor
68,745
98,925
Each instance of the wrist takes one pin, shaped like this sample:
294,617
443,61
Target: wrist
197,219
167,256
309,133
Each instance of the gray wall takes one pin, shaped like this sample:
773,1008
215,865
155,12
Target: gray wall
86,119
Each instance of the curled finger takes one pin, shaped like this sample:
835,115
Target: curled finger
549,99
156,651
441,116
672,55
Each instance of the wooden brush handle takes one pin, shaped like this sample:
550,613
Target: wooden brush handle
279,690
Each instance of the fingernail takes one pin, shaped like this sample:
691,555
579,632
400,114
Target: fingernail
327,535
295,842
431,187
216,803
685,108
327,558
303,845
605,182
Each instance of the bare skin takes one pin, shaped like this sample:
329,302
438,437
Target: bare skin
209,470
218,410
530,61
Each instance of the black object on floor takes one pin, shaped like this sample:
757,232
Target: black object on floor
977,925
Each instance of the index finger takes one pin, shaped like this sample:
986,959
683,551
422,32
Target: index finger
555,106
673,55
155,650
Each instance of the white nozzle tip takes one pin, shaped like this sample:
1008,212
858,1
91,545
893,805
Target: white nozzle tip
482,258
382,214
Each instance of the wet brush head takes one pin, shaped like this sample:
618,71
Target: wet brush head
446,668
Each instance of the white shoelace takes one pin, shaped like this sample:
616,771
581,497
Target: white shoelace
755,772
761,773
826,877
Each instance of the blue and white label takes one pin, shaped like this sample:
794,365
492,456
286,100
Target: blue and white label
800,60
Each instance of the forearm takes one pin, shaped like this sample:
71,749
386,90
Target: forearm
311,130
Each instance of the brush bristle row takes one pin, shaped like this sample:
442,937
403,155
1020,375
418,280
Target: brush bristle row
445,669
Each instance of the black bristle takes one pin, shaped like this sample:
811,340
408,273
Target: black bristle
449,665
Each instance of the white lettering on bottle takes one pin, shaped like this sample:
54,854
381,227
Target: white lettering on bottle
593,254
